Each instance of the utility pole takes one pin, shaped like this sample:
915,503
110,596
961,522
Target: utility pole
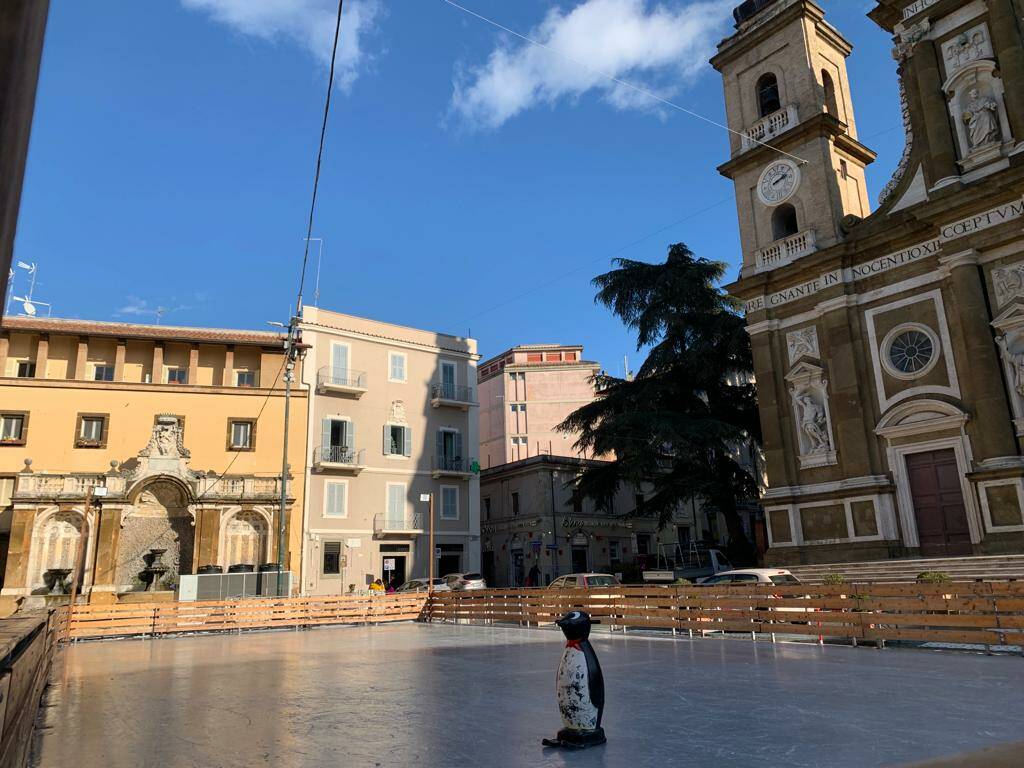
430,527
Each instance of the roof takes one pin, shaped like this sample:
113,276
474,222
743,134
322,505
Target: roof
138,331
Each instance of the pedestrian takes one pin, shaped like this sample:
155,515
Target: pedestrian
533,577
377,587
391,587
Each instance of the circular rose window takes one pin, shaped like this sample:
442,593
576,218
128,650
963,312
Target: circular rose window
910,351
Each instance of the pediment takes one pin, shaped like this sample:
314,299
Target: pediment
1012,316
804,370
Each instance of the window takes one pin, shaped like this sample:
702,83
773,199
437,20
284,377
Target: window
396,367
103,373
26,369
515,504
487,507
13,428
332,558
613,551
577,505
831,106
643,544
534,357
844,169
448,380
768,94
336,498
449,502
396,505
397,440
177,375
245,378
241,434
784,223
784,579
449,451
910,351
570,356
91,431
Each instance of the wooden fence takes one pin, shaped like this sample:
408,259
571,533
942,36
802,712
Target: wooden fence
986,613
96,621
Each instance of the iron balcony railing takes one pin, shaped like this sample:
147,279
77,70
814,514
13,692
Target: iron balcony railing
388,523
456,393
338,454
341,377
451,464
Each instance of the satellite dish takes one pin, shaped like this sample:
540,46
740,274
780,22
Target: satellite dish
29,267
30,308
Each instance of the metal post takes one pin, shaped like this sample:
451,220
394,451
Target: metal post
289,363
430,528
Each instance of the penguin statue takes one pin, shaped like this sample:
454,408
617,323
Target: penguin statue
579,686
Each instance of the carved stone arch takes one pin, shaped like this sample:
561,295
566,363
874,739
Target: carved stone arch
55,536
913,417
245,536
160,515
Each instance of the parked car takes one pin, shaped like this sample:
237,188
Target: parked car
420,585
460,582
693,564
780,577
585,581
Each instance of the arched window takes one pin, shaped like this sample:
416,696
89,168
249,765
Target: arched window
768,94
831,106
784,222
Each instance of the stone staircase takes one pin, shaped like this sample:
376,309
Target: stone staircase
894,571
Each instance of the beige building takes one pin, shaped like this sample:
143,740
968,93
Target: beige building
181,427
525,393
889,344
393,415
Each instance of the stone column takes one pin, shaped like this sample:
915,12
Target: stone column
81,357
942,153
979,368
1007,43
773,425
207,546
193,364
157,375
42,355
105,565
119,360
227,377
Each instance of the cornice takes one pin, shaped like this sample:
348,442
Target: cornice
125,386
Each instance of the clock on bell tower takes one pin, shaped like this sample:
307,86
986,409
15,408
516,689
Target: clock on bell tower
796,163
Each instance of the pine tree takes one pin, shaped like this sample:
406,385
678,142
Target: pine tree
679,424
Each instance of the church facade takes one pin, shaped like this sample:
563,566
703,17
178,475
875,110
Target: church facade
888,344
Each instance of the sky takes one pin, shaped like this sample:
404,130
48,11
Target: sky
472,183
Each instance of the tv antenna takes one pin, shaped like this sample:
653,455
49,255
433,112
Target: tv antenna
29,306
319,260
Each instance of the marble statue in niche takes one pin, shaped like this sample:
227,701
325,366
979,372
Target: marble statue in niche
982,119
812,420
1015,361
813,423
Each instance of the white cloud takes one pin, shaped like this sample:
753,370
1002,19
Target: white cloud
309,23
655,47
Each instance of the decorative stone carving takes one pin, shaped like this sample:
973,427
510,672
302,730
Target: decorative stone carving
909,38
812,417
1008,282
908,144
167,439
1009,326
802,343
397,413
970,46
975,95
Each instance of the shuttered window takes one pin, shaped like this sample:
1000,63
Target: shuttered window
397,440
449,502
332,558
336,498
396,503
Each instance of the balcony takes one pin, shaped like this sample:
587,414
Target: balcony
451,466
342,381
785,251
409,524
767,128
451,396
339,457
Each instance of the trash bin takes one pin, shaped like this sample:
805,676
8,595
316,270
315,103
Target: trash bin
241,568
207,569
274,567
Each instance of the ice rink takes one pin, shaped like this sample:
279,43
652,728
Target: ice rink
443,695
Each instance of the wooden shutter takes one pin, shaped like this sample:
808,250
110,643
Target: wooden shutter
406,441
387,440
350,435
440,444
457,445
325,434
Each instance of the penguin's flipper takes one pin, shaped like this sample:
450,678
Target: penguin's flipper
595,678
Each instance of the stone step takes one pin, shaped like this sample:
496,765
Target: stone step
959,568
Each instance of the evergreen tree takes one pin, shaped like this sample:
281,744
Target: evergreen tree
679,424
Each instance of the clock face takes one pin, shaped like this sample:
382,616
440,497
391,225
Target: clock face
778,182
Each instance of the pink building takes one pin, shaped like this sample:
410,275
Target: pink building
525,393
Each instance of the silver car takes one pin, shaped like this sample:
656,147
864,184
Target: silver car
420,585
460,582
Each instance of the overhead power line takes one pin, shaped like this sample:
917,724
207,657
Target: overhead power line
620,81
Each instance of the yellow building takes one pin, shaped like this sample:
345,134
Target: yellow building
183,428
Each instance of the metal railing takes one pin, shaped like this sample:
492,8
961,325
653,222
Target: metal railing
341,377
769,127
456,393
338,454
386,523
451,464
785,251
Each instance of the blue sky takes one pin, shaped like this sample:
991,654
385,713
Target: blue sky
468,183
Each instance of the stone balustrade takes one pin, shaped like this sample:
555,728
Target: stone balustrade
769,127
785,251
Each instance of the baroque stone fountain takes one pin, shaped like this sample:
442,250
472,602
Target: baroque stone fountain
155,569
56,580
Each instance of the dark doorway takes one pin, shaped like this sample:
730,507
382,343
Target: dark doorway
517,567
398,574
449,564
939,503
579,559
487,567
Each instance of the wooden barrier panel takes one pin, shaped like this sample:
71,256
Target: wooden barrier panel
987,613
96,621
27,642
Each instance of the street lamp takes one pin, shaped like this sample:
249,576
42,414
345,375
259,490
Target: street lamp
429,499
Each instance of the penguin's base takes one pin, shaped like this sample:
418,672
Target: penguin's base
569,738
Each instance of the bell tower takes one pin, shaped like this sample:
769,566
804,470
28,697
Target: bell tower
795,160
